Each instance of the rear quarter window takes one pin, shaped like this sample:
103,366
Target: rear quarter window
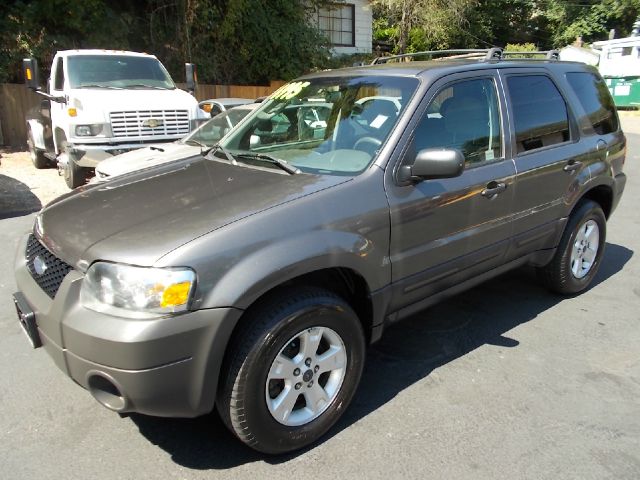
596,101
539,111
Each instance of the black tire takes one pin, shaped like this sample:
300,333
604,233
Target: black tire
557,276
267,330
74,175
37,155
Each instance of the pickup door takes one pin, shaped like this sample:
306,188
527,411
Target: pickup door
447,230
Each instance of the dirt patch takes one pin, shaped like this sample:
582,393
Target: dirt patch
20,182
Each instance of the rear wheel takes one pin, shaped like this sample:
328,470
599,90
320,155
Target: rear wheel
292,370
37,155
579,254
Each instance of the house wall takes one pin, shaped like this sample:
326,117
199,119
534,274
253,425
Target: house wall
363,29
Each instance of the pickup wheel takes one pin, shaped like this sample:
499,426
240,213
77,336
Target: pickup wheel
74,175
579,254
37,155
291,370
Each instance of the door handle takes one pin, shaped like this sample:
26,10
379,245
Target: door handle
493,189
601,145
572,166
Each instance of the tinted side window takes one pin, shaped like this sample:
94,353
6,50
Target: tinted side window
596,101
58,83
465,116
539,111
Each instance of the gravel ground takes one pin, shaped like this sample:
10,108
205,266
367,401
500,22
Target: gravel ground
23,188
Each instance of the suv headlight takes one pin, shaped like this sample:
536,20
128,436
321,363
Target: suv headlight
88,130
137,292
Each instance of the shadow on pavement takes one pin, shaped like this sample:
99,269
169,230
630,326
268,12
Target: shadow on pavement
406,354
16,199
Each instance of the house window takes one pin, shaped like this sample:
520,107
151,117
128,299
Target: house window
337,22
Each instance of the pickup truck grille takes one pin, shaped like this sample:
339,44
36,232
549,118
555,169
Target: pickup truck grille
149,123
54,270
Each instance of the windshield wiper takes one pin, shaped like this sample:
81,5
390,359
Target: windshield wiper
274,160
95,85
191,141
144,85
219,148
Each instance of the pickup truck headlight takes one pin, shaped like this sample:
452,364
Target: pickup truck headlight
89,130
136,292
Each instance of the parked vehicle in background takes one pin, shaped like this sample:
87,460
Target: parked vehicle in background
252,277
101,103
205,137
215,106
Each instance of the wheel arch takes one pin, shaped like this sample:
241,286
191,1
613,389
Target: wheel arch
37,132
345,282
601,194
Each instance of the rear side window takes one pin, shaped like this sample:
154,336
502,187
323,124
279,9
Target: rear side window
596,101
539,111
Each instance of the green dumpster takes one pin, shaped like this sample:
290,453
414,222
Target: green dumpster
625,90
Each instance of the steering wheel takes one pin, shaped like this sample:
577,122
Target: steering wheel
372,142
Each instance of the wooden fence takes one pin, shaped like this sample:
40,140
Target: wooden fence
16,100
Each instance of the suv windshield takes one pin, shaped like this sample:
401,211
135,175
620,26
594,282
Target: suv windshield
117,71
213,130
329,126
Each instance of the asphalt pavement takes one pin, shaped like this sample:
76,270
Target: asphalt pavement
503,381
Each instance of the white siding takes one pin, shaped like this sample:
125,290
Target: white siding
363,29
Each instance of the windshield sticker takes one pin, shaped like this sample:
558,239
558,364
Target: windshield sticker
287,92
378,121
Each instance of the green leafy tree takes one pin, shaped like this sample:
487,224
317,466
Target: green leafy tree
591,21
414,25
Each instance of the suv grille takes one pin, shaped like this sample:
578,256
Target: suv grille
54,269
149,123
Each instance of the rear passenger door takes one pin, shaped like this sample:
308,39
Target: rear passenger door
547,156
444,231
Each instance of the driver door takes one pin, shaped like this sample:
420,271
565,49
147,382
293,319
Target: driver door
444,231
58,110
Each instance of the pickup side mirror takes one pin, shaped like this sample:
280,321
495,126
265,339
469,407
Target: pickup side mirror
31,73
434,163
191,77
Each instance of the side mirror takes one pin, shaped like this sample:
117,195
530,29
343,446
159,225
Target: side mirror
191,77
434,163
31,73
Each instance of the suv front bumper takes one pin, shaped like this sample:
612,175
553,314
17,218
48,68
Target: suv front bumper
167,366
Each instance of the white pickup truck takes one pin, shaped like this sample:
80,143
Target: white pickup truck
101,103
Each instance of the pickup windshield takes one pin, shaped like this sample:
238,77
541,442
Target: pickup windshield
329,125
117,71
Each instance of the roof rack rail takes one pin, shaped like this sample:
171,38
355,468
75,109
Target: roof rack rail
549,54
459,53
487,54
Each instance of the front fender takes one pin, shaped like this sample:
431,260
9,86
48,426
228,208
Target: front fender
275,263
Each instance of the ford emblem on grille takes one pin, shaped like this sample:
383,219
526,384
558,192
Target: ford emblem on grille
39,265
152,123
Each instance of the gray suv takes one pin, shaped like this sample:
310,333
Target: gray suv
252,276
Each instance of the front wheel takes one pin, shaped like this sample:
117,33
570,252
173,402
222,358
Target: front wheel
74,175
579,254
292,370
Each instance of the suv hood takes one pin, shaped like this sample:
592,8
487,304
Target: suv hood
143,158
139,217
